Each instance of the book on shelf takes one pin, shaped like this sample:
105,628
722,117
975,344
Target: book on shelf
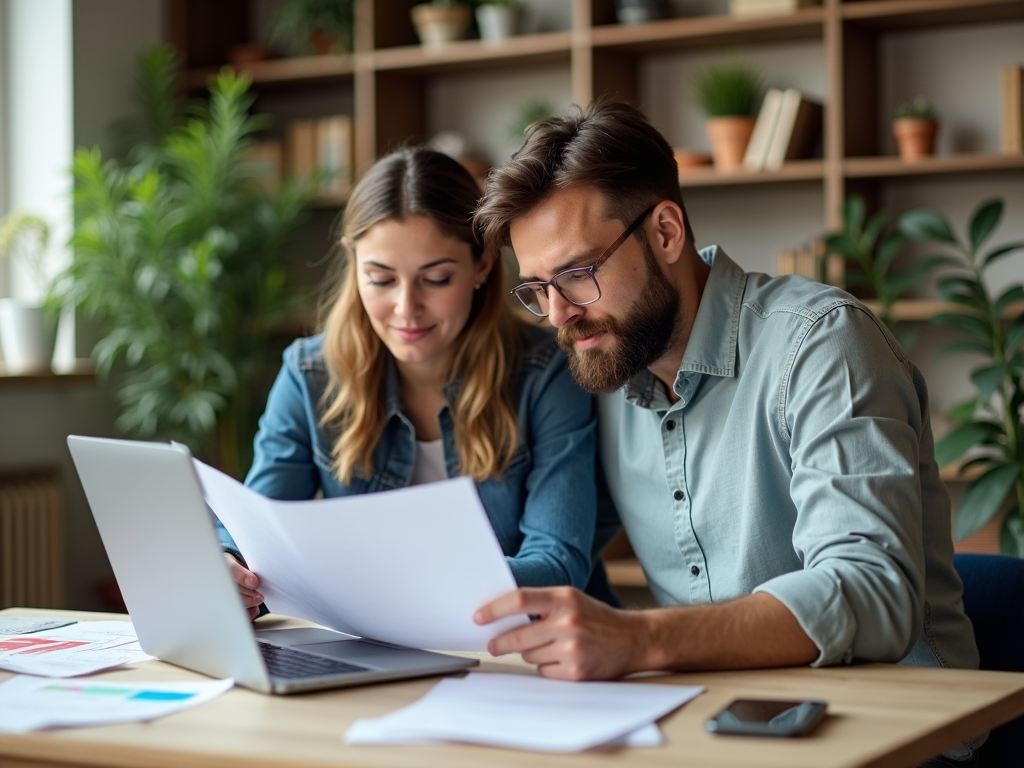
764,127
267,159
745,9
812,261
1012,100
797,129
323,147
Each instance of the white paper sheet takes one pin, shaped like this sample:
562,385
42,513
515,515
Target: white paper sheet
408,567
78,649
26,625
527,712
34,703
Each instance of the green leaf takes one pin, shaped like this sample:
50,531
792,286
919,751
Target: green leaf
963,412
984,221
988,379
873,229
926,224
968,324
1000,252
1014,335
1008,297
842,245
962,439
1011,538
984,497
891,246
853,215
966,345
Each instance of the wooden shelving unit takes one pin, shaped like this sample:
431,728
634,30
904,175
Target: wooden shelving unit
83,373
922,310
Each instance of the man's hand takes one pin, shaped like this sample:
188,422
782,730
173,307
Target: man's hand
248,584
575,636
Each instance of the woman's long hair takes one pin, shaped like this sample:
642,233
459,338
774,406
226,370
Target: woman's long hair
419,182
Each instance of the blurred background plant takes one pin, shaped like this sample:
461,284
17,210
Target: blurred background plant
989,428
869,251
180,255
531,111
316,26
24,238
728,90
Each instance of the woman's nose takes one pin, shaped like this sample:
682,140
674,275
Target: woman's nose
407,303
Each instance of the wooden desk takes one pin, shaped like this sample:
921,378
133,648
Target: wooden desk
879,715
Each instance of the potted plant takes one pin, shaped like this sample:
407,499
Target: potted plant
498,20
321,26
640,11
989,427
915,127
730,95
27,328
441,21
180,255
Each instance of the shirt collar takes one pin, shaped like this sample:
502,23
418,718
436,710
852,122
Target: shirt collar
393,392
711,348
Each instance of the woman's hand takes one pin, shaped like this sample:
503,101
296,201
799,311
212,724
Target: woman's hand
248,584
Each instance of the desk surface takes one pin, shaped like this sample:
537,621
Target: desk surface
879,715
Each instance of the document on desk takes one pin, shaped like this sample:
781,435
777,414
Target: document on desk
528,712
407,567
34,703
78,649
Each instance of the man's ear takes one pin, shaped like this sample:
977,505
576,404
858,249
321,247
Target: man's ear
670,230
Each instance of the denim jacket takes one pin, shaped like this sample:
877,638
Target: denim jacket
542,508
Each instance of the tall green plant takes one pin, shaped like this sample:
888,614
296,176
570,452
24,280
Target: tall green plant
869,251
180,255
990,426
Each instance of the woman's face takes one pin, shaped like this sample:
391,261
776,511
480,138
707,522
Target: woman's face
416,284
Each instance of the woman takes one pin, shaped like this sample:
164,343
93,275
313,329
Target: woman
423,373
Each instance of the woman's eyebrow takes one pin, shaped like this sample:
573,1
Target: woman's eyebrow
439,262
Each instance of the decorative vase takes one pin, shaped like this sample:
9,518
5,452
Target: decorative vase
729,138
438,25
915,137
497,22
27,334
640,11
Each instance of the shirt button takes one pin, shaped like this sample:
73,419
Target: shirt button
670,425
695,570
678,495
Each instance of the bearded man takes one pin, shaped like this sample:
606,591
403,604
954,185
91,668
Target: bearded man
766,441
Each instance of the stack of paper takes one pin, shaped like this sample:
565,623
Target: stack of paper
78,649
33,703
527,712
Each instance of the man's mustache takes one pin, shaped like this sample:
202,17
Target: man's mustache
570,334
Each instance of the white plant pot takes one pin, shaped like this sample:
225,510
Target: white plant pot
27,335
497,22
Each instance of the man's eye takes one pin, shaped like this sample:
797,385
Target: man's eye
574,277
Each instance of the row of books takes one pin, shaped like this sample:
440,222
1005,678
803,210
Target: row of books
320,147
810,260
1012,101
788,127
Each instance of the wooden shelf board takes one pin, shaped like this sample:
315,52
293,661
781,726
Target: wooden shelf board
918,14
471,55
292,71
709,31
799,170
922,310
877,167
83,373
625,572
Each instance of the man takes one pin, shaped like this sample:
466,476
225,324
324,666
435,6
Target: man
766,441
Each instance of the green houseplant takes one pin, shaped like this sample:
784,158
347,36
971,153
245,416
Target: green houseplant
729,95
27,328
915,127
322,26
990,426
180,256
869,251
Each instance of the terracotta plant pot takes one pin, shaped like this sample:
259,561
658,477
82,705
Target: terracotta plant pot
915,137
729,138
438,25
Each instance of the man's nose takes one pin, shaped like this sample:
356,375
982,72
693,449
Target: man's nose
561,311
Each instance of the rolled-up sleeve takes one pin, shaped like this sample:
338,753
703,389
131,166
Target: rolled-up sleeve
559,515
853,420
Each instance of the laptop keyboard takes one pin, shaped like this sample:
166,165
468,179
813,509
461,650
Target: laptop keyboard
291,664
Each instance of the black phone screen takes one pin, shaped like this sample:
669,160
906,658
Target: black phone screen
768,717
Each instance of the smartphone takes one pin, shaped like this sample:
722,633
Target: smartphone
768,717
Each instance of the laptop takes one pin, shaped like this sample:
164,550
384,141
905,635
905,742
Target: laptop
159,535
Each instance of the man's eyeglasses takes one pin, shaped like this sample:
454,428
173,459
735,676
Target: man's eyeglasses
577,285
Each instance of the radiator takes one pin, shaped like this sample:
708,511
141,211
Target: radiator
31,539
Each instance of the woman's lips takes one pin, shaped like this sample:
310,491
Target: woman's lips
412,334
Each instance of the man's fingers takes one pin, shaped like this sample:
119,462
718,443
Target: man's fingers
531,600
250,597
243,576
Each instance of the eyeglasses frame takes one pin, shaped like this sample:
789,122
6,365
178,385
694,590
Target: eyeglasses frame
590,270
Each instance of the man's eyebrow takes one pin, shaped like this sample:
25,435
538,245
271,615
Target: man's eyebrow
431,265
581,259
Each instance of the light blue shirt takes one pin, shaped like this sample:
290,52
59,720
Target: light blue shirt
798,461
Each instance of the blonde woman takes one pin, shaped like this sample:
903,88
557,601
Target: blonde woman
423,373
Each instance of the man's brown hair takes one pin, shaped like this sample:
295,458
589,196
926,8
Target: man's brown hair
610,146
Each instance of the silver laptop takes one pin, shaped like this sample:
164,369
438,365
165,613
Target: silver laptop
159,535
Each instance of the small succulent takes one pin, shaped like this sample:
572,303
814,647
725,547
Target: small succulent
917,108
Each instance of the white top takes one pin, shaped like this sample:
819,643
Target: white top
429,466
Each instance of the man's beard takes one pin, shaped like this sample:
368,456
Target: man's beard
640,338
